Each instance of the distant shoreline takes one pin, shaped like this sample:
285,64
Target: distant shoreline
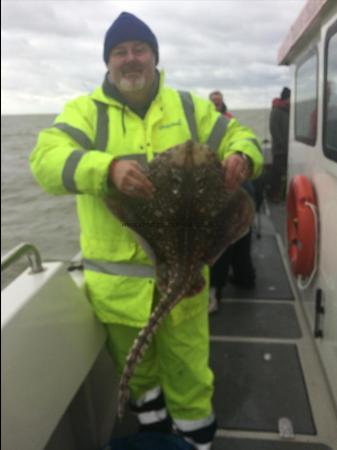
255,118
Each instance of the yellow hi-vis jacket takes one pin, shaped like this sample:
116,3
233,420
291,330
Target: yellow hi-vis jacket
73,157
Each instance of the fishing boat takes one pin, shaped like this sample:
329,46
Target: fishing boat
273,349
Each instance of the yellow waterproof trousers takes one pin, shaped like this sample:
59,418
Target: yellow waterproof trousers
176,361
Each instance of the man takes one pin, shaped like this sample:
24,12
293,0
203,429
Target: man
217,98
238,256
279,130
99,143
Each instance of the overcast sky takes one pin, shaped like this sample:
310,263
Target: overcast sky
52,50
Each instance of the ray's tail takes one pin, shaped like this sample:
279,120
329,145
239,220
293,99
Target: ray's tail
166,303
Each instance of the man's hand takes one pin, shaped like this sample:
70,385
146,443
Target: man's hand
127,177
237,170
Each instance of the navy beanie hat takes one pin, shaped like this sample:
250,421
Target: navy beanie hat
128,27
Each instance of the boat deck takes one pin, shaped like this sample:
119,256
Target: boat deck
270,389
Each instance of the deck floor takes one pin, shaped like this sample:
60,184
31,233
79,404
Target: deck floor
264,361
260,347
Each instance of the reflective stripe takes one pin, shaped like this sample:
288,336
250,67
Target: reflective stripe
148,396
75,134
126,269
218,132
68,174
146,418
188,105
198,432
219,128
81,138
192,425
102,127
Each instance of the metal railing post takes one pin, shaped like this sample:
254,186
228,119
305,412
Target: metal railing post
23,249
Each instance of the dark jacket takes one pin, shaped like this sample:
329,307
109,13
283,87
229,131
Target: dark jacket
279,126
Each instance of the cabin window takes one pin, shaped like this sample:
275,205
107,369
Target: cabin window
306,100
330,95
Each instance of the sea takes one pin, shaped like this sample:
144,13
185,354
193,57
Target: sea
30,215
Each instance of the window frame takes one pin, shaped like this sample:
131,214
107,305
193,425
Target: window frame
329,152
312,52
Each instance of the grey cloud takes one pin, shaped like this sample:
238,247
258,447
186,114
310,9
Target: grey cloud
53,50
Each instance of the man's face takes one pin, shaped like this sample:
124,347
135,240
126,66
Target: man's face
132,66
217,100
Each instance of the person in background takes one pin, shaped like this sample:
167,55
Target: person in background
97,145
279,131
237,258
217,98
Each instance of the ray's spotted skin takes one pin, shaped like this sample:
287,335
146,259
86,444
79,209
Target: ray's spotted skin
189,221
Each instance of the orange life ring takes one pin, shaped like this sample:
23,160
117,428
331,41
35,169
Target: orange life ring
301,225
